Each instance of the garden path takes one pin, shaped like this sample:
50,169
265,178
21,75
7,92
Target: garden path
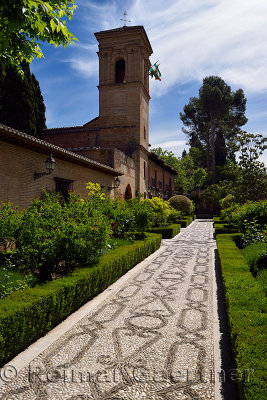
152,337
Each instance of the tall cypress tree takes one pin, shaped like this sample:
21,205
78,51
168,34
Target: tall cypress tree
21,101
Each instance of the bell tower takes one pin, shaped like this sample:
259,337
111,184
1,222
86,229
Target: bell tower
124,84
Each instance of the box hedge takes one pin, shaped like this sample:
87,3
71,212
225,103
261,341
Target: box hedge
224,228
246,307
168,231
27,315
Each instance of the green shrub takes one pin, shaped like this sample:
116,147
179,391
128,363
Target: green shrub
121,216
182,203
161,210
167,232
143,214
174,215
246,307
252,211
227,201
28,315
59,237
9,225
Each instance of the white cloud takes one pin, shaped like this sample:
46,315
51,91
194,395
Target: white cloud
193,38
86,67
176,146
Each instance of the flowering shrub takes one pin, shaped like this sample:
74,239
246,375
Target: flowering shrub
121,216
161,210
253,233
252,211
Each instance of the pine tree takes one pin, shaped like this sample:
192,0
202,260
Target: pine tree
21,101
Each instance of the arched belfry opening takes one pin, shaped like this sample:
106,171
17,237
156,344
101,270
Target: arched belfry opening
120,71
128,193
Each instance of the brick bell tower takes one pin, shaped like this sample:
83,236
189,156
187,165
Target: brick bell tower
124,94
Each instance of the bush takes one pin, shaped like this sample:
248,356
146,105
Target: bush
55,237
174,215
161,210
182,203
227,201
252,211
28,315
9,225
246,307
167,232
143,214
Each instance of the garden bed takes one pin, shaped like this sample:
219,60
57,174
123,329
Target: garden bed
246,307
168,231
27,315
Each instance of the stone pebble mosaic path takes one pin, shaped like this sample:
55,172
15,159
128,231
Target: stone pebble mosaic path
151,340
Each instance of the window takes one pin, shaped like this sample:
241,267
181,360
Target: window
144,169
63,186
120,71
144,132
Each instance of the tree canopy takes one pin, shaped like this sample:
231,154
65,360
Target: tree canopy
189,175
213,120
21,101
26,23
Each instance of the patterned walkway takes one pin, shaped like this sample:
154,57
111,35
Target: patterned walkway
151,340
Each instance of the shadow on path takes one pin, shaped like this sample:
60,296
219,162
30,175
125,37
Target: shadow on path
229,386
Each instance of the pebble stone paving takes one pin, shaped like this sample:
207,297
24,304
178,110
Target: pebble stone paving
151,340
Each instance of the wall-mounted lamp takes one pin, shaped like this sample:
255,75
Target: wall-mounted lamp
49,166
117,184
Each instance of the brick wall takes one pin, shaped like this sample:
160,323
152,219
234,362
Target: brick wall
18,165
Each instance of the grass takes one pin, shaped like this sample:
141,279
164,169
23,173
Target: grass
113,243
10,281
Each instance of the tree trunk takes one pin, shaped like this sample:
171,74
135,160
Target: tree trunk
213,159
208,152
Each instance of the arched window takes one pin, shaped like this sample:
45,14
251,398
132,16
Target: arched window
120,71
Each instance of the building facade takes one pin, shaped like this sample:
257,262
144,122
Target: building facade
23,175
119,136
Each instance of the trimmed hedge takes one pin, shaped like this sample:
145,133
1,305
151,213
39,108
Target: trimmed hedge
255,255
224,228
185,222
167,232
27,315
246,306
219,220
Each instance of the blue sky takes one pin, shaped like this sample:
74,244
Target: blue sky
191,38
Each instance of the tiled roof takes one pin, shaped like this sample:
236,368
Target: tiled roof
31,142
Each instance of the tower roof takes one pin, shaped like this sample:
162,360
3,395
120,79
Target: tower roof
126,29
